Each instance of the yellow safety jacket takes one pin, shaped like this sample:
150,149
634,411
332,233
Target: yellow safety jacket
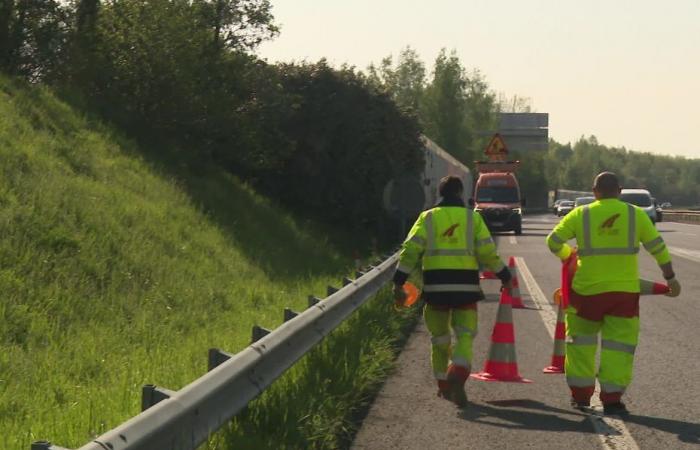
608,233
452,242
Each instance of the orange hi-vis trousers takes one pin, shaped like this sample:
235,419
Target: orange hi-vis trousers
615,315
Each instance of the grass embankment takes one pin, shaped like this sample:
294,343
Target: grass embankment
114,274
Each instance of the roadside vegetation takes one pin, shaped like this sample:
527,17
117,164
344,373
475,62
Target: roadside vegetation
115,273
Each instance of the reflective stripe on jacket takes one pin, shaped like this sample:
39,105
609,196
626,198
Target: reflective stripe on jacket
451,242
608,233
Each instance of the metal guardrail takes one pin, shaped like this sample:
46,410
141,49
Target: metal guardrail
679,215
184,419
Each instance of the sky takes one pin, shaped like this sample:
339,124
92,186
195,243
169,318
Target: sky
626,71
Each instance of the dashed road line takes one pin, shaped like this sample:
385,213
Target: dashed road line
692,255
512,240
613,432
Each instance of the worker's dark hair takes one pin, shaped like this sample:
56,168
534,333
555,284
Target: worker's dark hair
607,184
450,187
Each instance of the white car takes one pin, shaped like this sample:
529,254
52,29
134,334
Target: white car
641,198
564,207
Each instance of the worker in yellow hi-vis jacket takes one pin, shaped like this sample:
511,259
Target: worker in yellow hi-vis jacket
605,291
451,241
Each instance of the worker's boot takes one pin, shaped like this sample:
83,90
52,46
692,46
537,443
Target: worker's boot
456,378
615,409
443,389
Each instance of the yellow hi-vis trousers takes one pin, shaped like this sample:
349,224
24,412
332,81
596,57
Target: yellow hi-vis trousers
616,317
442,322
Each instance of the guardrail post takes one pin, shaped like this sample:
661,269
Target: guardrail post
347,281
330,290
259,333
313,300
152,394
217,357
289,314
358,274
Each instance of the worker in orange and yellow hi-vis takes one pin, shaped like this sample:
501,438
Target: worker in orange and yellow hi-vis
451,241
605,291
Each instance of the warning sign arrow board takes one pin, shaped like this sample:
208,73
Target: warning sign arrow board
496,150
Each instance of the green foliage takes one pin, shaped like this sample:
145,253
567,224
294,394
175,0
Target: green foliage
115,273
344,142
347,369
454,107
33,38
674,179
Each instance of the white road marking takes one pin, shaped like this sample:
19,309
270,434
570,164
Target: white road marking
612,432
692,255
512,240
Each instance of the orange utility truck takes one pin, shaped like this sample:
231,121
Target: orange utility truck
497,192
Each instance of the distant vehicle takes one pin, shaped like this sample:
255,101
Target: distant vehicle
666,205
659,211
641,198
497,196
583,201
555,206
564,207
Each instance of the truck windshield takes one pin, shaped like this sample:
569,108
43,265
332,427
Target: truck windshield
636,199
497,195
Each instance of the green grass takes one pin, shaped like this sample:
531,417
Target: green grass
115,273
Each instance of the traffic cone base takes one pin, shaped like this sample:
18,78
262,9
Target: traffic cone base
501,364
557,365
488,376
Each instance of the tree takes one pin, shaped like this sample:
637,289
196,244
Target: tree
7,14
405,83
237,24
445,106
85,39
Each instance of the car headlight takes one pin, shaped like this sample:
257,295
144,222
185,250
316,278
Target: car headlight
518,210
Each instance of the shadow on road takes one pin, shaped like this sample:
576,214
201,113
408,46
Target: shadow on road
509,414
686,431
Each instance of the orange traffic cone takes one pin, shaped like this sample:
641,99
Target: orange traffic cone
515,291
647,287
559,353
501,364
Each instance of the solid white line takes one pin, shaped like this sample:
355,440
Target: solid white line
612,432
692,255
513,240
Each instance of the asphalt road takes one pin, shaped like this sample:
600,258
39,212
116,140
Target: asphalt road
664,397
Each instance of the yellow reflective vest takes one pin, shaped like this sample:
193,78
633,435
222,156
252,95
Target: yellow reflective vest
451,242
608,234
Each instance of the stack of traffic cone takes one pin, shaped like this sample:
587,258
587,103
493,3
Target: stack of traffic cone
647,287
559,354
517,301
502,364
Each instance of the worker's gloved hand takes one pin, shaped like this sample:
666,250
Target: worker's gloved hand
399,294
674,288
